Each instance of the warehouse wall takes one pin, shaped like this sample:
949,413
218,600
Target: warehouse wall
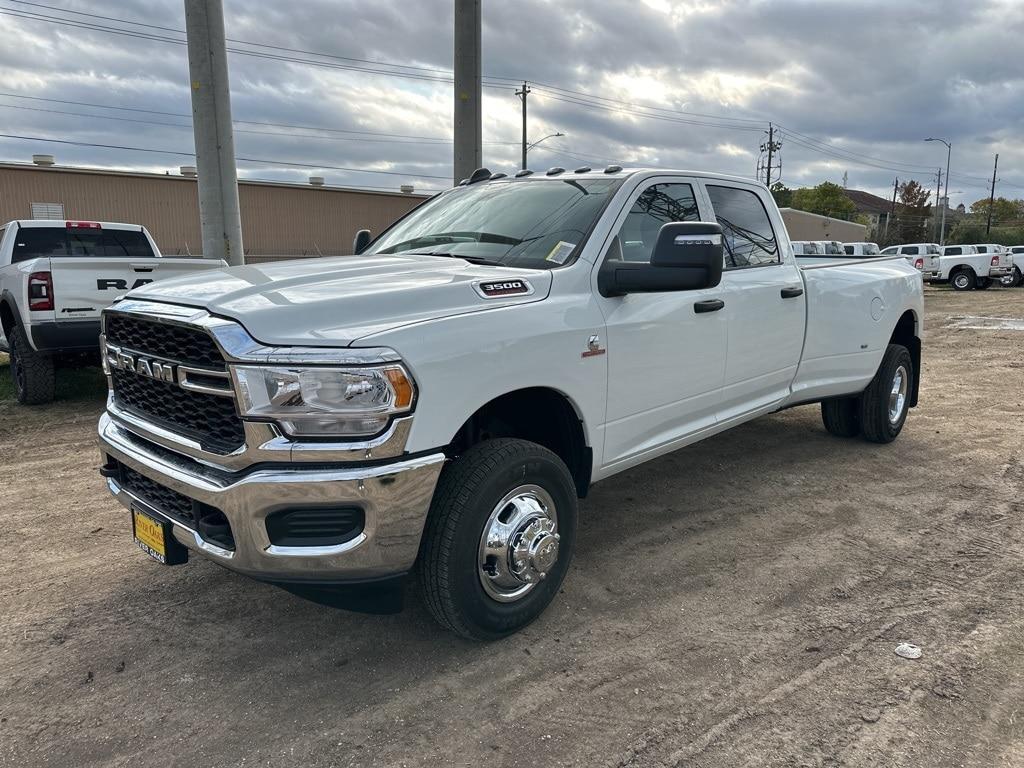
802,225
278,220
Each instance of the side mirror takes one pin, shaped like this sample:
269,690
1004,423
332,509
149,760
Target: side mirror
362,239
687,256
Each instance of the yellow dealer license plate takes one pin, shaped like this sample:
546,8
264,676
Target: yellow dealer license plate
150,535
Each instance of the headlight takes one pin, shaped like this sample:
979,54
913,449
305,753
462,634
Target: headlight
325,402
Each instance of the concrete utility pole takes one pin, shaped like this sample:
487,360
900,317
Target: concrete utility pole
468,119
219,212
523,94
992,197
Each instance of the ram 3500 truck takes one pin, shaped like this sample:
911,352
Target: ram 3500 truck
965,267
441,401
55,279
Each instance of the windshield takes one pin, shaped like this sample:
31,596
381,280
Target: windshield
536,223
933,249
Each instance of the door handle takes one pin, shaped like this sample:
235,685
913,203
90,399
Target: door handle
792,293
708,305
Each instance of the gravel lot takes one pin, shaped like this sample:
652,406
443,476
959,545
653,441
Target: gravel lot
735,603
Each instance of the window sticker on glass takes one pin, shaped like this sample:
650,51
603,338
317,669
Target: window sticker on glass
560,252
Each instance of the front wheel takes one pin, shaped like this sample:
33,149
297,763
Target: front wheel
885,402
499,538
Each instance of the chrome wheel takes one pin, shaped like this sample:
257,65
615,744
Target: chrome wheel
898,395
962,281
519,544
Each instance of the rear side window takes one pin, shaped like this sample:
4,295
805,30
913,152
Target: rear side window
43,242
39,242
954,251
850,250
747,232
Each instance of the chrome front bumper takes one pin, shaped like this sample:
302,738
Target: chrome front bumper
394,496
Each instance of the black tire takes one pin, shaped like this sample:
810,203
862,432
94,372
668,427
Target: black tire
983,283
468,491
1018,278
875,422
33,372
841,416
963,280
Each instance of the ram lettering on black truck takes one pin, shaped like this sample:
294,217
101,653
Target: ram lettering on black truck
55,279
442,401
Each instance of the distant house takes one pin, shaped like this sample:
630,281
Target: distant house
872,207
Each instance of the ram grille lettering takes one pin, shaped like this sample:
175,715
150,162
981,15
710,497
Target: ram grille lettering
161,371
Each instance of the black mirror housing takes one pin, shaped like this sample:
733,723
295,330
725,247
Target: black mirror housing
362,239
687,256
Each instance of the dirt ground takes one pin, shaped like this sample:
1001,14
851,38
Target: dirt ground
736,603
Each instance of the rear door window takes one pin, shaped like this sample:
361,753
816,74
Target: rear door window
911,250
954,251
850,250
746,229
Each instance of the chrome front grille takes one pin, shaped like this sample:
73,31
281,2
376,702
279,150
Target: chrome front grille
172,402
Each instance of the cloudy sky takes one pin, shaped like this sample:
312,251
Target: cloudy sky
320,86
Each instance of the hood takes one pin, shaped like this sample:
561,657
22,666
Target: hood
333,302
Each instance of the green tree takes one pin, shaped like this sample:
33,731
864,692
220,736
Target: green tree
826,199
783,195
913,214
1003,210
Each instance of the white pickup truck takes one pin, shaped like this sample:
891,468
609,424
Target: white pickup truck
55,279
965,268
1017,254
441,401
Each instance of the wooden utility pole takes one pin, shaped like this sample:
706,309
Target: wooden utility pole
523,94
892,209
992,197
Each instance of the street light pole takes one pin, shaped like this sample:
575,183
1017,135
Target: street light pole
528,147
945,200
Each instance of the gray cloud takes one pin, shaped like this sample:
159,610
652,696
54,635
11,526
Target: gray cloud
870,80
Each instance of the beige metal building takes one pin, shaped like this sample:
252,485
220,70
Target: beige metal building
802,225
278,220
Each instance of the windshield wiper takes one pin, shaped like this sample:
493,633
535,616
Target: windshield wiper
470,259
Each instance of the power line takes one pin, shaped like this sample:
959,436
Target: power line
76,24
397,138
263,161
425,139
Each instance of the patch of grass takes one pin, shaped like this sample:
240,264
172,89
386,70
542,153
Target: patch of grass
73,384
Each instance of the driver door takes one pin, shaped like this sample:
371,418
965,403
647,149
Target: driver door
666,351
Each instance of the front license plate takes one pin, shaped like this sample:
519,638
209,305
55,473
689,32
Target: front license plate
150,535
